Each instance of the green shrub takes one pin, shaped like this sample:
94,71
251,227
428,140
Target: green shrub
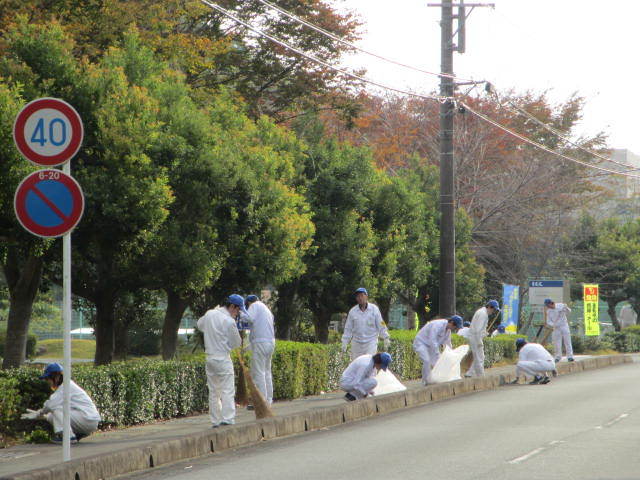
9,404
635,329
38,435
32,340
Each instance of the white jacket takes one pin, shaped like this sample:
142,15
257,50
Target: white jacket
358,370
464,332
261,320
434,334
220,333
79,401
364,327
532,352
478,328
557,317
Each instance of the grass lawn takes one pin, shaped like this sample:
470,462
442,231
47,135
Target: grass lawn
79,348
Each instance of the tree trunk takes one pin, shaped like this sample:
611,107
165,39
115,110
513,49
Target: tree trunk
23,287
321,326
121,339
611,310
384,304
172,318
104,330
285,310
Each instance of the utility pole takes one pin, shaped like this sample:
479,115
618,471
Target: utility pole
447,296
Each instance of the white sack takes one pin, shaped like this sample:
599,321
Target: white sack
387,383
447,368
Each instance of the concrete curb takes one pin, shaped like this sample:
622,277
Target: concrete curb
154,454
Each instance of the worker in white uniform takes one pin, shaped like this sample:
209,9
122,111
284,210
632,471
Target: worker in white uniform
220,337
535,361
262,341
84,415
477,331
464,331
363,327
358,378
557,319
431,337
499,331
627,316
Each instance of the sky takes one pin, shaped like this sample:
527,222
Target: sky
560,46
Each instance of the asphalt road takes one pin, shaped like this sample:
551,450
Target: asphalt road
584,426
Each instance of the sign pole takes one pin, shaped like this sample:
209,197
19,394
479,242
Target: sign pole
48,132
66,312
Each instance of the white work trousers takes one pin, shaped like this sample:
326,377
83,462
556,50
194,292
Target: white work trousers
367,348
79,424
429,358
222,390
361,389
534,367
477,350
261,354
561,335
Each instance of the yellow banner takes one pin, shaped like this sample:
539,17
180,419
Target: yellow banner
591,298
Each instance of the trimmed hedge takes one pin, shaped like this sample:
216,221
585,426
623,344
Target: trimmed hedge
136,392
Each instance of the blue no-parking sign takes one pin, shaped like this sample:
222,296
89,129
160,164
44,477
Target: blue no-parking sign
49,203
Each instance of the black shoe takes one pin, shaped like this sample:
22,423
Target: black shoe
545,380
570,359
554,373
514,382
349,398
80,436
250,407
222,424
57,438
536,380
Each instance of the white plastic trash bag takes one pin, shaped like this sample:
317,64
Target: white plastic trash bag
447,368
387,383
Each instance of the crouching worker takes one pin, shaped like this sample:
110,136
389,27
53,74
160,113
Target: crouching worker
84,414
535,361
358,378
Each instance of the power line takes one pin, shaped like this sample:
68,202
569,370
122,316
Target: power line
515,108
317,60
355,47
440,99
541,146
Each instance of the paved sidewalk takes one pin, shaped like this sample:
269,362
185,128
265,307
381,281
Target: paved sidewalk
27,457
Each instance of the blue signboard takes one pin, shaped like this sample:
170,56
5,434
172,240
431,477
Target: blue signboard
545,283
511,306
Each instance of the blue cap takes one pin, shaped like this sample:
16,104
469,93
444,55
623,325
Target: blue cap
466,324
521,342
362,290
457,319
237,300
385,360
501,328
547,301
494,304
250,299
50,370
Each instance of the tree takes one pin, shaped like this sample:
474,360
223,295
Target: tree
605,252
22,255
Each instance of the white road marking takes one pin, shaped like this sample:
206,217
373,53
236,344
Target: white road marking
616,420
527,456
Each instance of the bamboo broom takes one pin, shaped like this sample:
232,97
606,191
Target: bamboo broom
260,405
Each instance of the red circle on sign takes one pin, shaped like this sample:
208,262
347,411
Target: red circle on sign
30,184
55,104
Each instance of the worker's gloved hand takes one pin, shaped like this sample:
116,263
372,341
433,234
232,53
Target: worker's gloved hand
386,342
31,414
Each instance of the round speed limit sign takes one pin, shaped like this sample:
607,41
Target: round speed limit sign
48,132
